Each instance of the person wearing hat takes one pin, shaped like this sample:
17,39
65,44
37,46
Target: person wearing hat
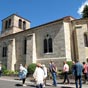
39,75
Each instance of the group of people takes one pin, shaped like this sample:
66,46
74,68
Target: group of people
40,73
79,69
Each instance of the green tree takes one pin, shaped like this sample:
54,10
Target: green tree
85,12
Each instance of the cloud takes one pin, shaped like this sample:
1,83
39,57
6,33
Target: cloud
80,9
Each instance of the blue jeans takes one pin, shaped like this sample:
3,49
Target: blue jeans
80,81
39,85
54,78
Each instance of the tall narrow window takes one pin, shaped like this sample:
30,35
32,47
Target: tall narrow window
4,52
20,23
6,24
24,25
25,46
48,48
85,40
50,45
9,24
45,46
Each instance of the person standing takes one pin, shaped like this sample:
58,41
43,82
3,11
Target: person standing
39,75
0,69
45,74
85,71
20,71
78,74
73,68
65,71
23,74
53,70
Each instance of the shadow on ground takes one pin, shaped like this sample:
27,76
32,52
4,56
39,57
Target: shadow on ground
18,85
67,87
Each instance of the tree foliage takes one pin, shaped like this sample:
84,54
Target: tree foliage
85,12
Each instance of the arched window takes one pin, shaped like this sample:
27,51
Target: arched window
45,46
24,25
20,23
48,48
50,44
85,40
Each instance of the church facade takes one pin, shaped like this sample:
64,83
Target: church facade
59,40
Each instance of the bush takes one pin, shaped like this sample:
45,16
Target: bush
10,73
3,68
31,68
70,66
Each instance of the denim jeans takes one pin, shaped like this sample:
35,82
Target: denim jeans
54,78
39,85
80,81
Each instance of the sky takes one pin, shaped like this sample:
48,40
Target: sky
41,11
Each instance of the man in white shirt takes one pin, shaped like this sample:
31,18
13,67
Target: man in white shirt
66,70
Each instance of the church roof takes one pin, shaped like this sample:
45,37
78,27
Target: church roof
15,15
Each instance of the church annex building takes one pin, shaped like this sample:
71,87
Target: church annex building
59,40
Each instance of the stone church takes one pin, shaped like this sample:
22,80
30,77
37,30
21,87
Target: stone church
59,40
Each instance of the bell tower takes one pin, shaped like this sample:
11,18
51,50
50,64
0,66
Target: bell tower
13,24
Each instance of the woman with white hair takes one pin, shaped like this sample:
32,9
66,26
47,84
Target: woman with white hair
45,74
39,76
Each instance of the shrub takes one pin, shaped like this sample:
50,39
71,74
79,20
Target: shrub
9,73
31,68
3,68
70,66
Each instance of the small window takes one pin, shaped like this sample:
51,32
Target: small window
9,24
24,25
25,46
50,44
20,23
6,24
45,46
4,52
85,40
